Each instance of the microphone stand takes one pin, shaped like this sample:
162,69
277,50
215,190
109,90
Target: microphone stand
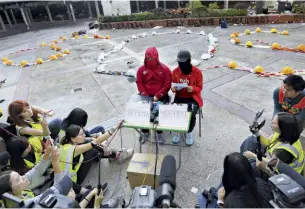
99,186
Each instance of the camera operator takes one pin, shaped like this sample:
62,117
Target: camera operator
284,144
19,186
240,188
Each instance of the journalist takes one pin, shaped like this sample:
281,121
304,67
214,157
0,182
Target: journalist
74,151
284,144
20,186
239,188
24,155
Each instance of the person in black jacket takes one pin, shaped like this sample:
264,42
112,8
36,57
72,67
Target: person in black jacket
240,188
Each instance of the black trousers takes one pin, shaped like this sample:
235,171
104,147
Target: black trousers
164,100
90,157
86,165
193,106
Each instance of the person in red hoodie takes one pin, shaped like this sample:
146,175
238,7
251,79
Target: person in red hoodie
192,76
154,79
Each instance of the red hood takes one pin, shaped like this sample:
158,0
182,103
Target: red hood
152,52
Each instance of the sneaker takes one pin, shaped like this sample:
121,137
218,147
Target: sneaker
189,139
176,138
160,138
144,137
125,154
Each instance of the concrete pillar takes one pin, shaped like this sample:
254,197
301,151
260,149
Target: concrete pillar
8,18
24,18
49,13
26,13
2,24
13,16
72,12
30,14
68,11
164,2
97,8
178,3
89,8
156,3
226,6
138,5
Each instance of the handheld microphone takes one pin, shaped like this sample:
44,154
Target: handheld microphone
167,182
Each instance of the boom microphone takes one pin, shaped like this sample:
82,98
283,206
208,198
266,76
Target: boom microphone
167,182
289,171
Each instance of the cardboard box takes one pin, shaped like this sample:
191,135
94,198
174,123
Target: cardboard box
141,164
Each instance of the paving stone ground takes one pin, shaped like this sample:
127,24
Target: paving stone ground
231,97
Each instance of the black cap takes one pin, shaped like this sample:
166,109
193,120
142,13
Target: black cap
183,56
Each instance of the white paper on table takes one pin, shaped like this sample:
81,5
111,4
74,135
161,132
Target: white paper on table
179,86
173,115
137,113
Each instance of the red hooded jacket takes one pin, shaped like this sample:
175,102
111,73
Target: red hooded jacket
195,80
153,80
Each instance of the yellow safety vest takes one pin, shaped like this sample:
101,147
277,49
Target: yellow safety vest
36,142
26,193
30,164
66,161
295,149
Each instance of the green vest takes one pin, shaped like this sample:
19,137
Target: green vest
66,161
295,149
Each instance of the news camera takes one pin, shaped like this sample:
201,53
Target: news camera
48,200
163,196
288,187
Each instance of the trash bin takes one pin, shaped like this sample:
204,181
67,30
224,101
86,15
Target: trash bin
224,24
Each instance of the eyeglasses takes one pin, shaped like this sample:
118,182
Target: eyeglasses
82,134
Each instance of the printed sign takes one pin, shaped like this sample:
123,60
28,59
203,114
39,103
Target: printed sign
173,116
137,113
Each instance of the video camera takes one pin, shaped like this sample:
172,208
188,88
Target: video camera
163,196
48,200
288,188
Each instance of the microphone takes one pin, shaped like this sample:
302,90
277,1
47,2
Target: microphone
289,171
167,182
4,158
49,198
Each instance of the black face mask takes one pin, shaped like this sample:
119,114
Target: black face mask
185,67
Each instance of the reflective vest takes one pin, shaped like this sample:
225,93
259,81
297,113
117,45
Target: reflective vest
295,109
30,164
37,145
66,161
27,194
295,149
